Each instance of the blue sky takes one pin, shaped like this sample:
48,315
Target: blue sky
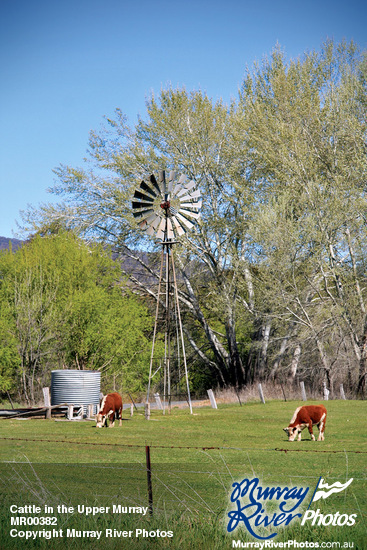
65,64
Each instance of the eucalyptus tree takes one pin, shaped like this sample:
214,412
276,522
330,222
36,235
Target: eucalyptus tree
307,135
191,134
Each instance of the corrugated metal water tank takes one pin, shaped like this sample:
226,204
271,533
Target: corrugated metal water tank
75,387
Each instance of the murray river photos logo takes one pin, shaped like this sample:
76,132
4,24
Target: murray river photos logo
256,507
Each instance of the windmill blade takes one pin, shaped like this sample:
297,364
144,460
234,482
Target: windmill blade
178,227
141,204
161,229
181,182
139,195
194,195
170,232
152,217
190,198
148,220
162,182
194,203
156,222
149,190
143,225
185,212
186,188
141,213
171,179
190,206
185,221
177,188
151,230
156,186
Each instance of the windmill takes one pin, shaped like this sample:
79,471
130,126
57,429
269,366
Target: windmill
167,209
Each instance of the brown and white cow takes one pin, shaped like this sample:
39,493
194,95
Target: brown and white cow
110,407
309,416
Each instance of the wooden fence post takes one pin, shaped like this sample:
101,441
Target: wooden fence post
326,392
212,399
261,393
303,391
147,411
46,397
158,401
149,479
131,409
132,401
47,401
342,394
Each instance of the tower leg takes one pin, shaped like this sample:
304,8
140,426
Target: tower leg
181,334
155,326
166,254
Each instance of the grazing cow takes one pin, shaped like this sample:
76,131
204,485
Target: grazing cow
309,416
111,407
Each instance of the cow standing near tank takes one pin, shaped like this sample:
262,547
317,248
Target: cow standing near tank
110,408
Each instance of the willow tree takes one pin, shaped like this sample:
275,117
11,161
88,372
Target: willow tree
307,136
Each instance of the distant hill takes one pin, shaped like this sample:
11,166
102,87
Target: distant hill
15,243
131,266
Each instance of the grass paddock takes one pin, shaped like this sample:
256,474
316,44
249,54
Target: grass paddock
195,459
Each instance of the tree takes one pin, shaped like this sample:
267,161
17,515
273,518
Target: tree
9,358
189,133
68,307
308,144
280,247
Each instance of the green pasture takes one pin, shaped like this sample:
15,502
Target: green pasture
194,459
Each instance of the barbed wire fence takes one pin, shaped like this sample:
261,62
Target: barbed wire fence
148,482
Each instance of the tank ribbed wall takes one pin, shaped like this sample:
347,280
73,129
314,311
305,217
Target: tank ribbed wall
75,387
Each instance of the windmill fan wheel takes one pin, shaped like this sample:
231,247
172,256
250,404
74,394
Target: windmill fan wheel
167,209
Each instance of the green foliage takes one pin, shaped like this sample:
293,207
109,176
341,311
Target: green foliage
308,138
68,307
9,358
184,131
279,256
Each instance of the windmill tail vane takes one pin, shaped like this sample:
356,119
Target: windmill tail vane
167,208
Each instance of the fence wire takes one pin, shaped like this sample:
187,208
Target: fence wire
154,446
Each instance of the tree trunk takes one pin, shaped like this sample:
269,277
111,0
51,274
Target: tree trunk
295,360
265,333
363,363
235,366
